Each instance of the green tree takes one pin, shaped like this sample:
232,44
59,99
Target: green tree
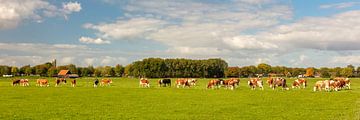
347,72
52,71
264,68
232,72
14,71
119,70
325,72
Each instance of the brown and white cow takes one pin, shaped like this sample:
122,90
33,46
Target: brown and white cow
182,82
270,81
214,83
144,83
73,83
344,82
280,82
255,82
42,82
192,81
233,83
299,82
105,81
319,85
24,82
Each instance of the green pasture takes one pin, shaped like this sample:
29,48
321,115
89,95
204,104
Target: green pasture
125,100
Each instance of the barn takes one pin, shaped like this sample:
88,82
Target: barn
66,74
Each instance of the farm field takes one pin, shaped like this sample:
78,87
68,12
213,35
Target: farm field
125,100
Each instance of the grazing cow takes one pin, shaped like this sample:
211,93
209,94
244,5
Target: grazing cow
270,81
280,82
24,82
192,82
344,82
233,83
164,82
15,82
255,82
319,85
347,83
214,83
327,85
73,83
144,83
42,82
182,82
96,82
299,82
105,81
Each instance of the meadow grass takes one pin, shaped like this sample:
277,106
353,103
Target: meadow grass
125,100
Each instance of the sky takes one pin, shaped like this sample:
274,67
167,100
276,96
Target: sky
294,33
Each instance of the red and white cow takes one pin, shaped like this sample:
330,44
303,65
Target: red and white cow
280,82
105,81
255,82
214,83
182,82
144,83
299,82
24,82
319,85
42,82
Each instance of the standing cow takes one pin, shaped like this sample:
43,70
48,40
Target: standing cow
96,82
280,82
144,83
73,83
299,82
15,82
164,82
106,82
255,82
214,83
42,82
182,82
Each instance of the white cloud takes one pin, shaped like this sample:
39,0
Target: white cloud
13,12
352,59
248,42
340,5
88,40
127,29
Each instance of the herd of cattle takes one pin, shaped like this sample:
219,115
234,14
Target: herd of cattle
335,84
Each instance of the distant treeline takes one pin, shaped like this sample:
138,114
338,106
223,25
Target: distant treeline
180,68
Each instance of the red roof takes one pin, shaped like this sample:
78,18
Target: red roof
63,72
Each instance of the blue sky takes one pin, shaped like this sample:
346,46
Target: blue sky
296,33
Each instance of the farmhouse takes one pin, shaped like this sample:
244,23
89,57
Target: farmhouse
66,74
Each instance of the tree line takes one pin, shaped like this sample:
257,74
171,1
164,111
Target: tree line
180,68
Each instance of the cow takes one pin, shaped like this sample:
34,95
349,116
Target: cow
42,82
299,82
255,82
347,83
164,82
280,82
270,81
233,83
105,81
214,83
327,85
192,82
57,82
73,83
96,82
182,82
344,82
24,82
144,83
319,85
15,82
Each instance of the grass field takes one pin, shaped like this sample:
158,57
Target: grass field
125,100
